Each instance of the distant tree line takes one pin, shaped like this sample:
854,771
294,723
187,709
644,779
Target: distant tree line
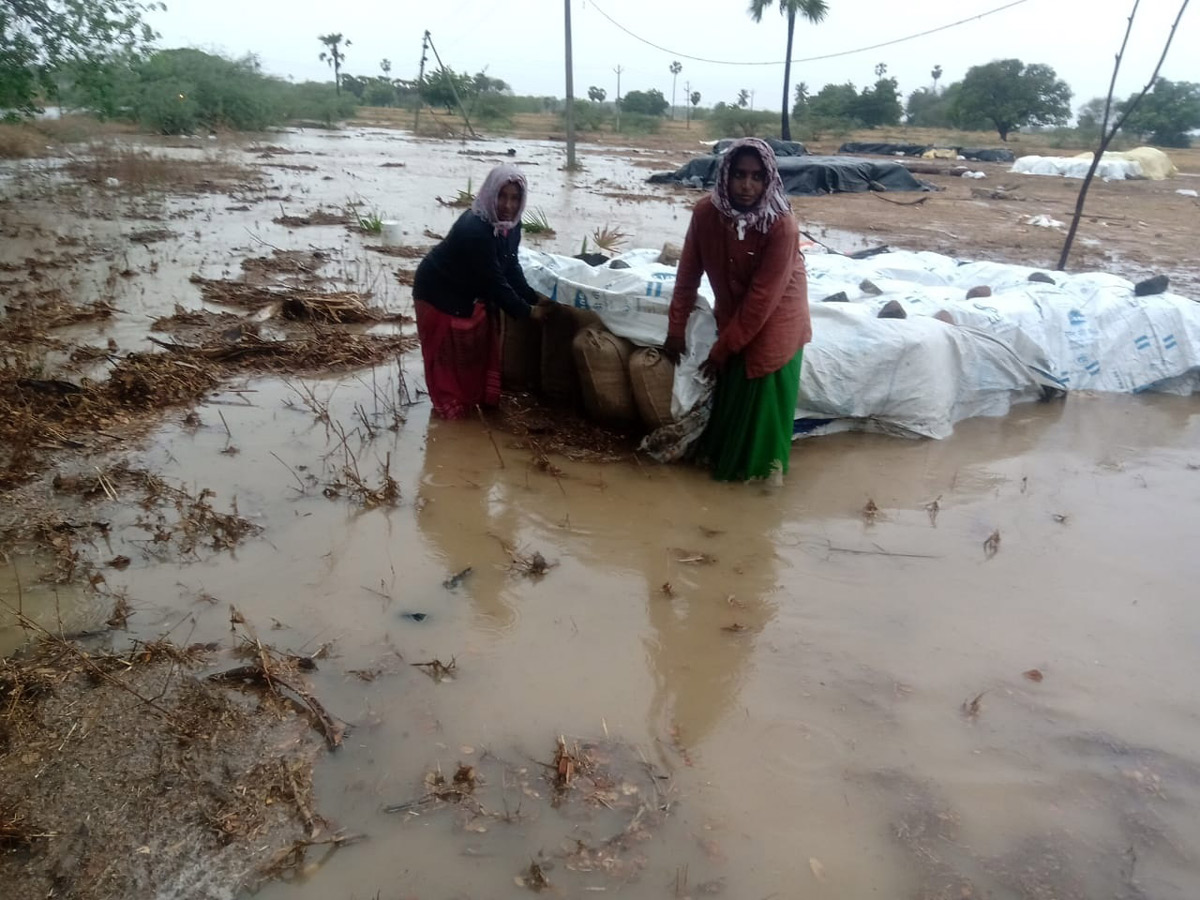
99,56
185,91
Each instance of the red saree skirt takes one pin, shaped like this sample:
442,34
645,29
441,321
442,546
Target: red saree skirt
462,359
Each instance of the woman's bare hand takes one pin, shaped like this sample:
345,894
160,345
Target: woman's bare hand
673,348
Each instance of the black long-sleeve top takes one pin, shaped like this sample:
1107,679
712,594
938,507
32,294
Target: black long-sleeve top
473,263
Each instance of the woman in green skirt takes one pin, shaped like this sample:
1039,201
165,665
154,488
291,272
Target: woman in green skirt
744,237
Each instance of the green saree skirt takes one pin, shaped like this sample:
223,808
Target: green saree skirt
750,432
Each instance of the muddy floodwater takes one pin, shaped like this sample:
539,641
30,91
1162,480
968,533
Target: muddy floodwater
920,669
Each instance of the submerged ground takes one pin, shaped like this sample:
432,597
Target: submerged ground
846,687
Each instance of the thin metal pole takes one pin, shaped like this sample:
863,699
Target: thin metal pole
570,89
618,70
450,80
420,82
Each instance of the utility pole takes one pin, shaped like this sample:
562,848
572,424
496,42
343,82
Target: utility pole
570,90
618,70
421,81
450,80
687,104
752,101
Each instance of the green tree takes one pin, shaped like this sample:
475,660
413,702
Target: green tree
800,101
695,98
936,75
676,68
39,38
1091,114
334,56
480,94
590,115
879,105
1166,114
440,86
490,98
1089,118
650,103
314,100
597,94
378,92
102,87
743,98
1012,95
182,91
928,109
814,11
727,120
482,83
835,101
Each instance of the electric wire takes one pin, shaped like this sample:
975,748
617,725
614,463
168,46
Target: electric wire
730,62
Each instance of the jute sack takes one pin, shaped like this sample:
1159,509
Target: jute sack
602,360
652,377
520,354
560,381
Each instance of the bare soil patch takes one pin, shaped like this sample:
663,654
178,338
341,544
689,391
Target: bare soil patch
543,429
129,169
399,251
317,217
192,785
292,167
151,235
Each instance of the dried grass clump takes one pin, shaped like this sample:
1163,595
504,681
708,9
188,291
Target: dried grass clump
284,262
78,129
140,170
316,217
400,252
142,382
545,429
21,141
609,785
172,768
39,414
32,314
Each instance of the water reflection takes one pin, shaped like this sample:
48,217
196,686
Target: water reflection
60,609
466,517
708,603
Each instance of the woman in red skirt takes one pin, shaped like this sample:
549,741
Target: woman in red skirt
460,288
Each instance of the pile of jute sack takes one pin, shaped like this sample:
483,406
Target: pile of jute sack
904,343
570,358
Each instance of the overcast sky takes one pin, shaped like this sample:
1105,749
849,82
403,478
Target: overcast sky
521,41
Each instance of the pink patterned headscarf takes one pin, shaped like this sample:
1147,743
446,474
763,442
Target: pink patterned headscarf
771,205
485,201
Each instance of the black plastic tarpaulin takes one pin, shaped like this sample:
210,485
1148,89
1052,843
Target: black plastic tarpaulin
809,175
884,149
1002,154
781,148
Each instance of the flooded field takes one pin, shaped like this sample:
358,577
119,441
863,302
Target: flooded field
920,669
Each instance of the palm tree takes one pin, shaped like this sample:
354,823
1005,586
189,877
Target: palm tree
676,68
334,56
814,11
935,75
